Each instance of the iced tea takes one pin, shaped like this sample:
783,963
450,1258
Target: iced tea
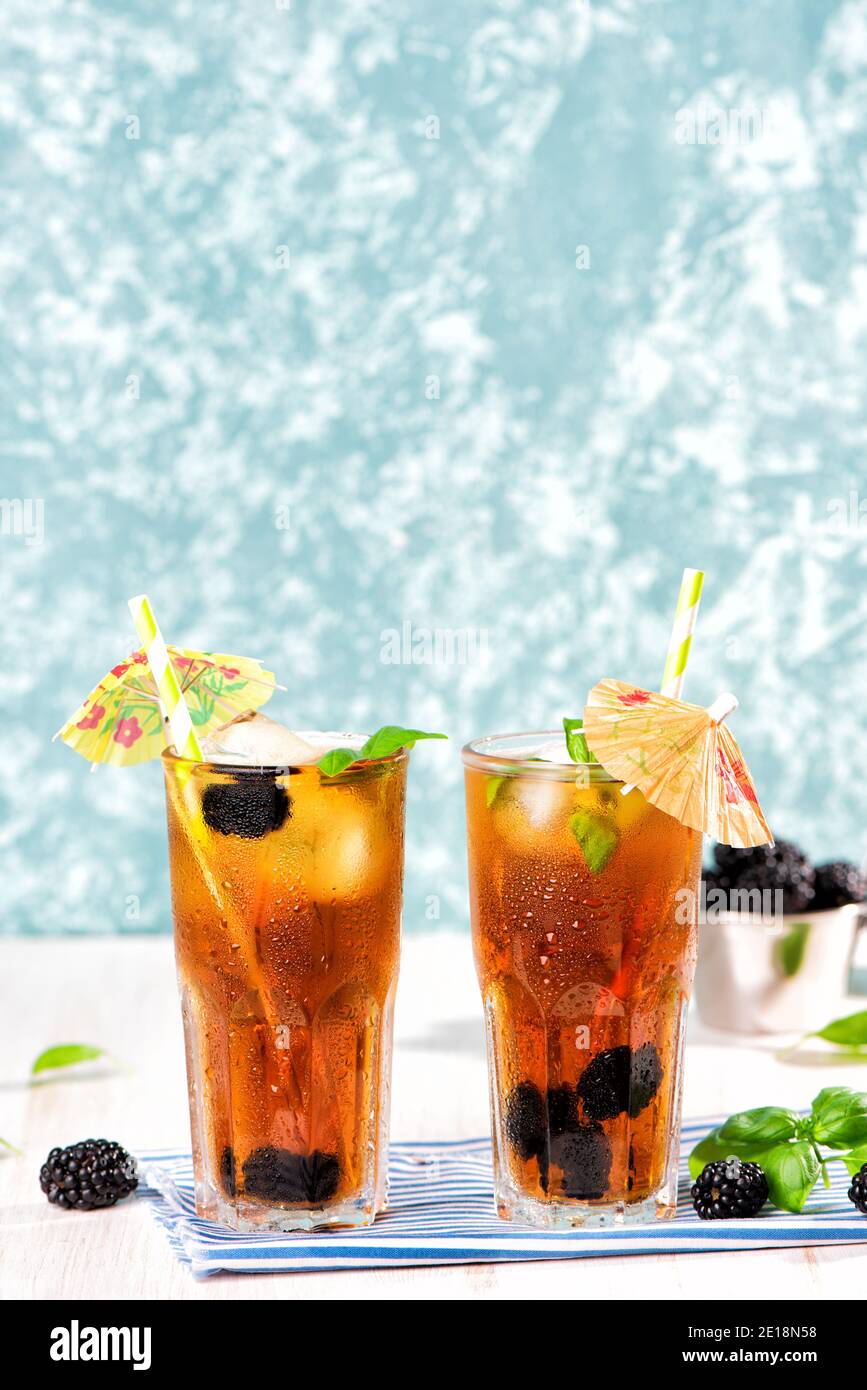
584,915
286,890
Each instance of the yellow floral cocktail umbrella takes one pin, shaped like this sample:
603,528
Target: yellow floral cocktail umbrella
123,720
680,756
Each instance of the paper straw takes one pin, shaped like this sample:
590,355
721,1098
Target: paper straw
685,615
166,679
679,642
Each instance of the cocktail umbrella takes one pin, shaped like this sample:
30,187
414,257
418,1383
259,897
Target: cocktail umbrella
123,720
164,695
680,756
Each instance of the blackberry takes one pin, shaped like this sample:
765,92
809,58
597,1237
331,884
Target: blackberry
780,866
838,884
562,1110
584,1157
250,806
277,1175
729,1189
227,1172
603,1087
858,1191
619,1079
645,1078
526,1128
93,1173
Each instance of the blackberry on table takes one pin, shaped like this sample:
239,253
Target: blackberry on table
90,1174
584,1157
277,1175
837,884
781,866
729,1189
250,806
526,1126
857,1193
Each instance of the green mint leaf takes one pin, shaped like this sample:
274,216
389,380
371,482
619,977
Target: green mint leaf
65,1055
576,742
791,948
791,1171
391,737
385,741
492,787
712,1148
850,1031
840,1116
766,1126
337,761
855,1160
4,1143
597,838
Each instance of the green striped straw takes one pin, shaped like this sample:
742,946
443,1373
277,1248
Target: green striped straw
681,633
166,679
679,642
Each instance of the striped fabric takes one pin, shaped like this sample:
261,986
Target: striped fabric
442,1212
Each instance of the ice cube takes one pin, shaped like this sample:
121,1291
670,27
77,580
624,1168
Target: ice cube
350,849
541,802
254,740
556,752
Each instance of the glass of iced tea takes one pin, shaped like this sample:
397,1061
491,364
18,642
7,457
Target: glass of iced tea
286,893
584,905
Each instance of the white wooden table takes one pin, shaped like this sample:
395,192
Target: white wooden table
121,994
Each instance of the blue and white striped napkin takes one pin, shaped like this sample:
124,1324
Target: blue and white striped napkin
441,1211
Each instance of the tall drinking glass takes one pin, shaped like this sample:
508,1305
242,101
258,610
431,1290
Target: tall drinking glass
286,891
584,907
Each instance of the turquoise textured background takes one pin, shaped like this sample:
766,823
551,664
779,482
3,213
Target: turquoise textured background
320,320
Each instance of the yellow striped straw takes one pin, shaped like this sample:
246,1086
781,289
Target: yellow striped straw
166,679
681,633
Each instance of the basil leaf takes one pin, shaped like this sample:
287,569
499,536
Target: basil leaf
391,737
576,742
492,787
791,948
337,761
65,1055
767,1125
791,1171
850,1031
855,1160
708,1150
597,838
385,741
712,1148
840,1116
